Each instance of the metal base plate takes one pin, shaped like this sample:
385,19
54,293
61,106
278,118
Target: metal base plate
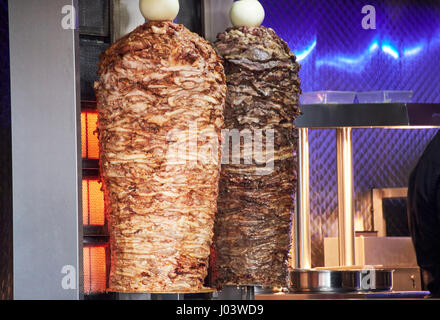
204,294
362,280
246,292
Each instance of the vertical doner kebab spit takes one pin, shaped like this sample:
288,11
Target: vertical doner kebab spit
252,230
160,98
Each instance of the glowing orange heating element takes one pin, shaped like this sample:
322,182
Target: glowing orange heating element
83,136
93,203
89,137
95,271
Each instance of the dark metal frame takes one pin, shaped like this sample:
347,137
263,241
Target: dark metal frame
377,115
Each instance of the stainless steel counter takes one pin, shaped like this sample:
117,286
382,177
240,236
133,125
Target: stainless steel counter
419,295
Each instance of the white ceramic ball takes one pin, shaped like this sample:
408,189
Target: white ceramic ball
247,13
159,10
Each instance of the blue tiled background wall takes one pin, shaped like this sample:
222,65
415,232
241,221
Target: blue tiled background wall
336,53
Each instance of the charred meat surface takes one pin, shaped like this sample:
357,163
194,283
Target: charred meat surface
160,86
255,206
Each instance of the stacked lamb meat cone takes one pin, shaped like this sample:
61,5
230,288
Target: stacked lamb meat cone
255,206
160,97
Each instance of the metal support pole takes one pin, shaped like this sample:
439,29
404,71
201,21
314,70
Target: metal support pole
302,221
46,152
345,197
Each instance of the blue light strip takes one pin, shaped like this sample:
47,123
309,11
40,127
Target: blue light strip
374,46
300,56
413,51
351,64
357,64
390,50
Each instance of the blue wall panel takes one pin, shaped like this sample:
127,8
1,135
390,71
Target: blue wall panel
336,53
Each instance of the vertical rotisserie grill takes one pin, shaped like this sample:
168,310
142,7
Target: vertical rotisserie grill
160,101
252,226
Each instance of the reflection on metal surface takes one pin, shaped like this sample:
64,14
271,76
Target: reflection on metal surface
216,17
341,280
126,16
46,166
303,241
246,292
391,252
208,295
412,127
345,196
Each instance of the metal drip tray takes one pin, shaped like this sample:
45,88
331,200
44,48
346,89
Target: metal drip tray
204,294
349,280
246,292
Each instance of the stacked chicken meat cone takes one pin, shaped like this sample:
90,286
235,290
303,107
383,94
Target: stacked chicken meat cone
160,100
255,205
